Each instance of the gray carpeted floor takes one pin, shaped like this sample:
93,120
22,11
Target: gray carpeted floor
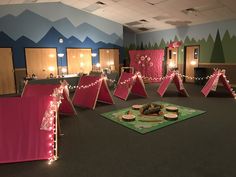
96,147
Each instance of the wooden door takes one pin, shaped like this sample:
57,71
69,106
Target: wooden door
172,58
109,58
41,62
191,61
79,60
7,78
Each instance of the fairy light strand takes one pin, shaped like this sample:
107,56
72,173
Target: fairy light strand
143,77
49,122
138,74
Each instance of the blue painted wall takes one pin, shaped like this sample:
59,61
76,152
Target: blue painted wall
41,25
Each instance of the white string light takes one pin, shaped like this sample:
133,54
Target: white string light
144,77
49,121
105,78
138,74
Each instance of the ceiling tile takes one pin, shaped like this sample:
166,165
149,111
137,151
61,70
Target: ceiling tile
125,11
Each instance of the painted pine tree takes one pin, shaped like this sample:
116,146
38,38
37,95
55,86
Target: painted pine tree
162,44
217,55
155,46
206,47
141,46
176,38
229,44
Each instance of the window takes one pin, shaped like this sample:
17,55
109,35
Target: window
195,55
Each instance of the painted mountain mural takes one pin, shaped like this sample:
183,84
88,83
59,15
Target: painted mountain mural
36,31
212,50
28,24
7,40
217,55
51,40
34,27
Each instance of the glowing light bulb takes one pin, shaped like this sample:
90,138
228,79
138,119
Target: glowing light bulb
111,62
94,54
60,55
81,64
98,65
171,65
51,55
63,70
81,55
193,62
51,68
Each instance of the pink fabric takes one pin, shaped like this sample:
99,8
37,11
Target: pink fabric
209,85
226,84
88,97
171,76
66,106
123,89
20,136
213,82
165,83
138,88
179,84
104,94
39,89
148,62
127,84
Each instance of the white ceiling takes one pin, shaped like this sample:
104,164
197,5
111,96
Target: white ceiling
168,13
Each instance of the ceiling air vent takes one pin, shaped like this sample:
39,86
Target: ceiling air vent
143,20
95,6
208,7
100,3
30,1
115,0
178,23
155,2
143,29
190,11
133,23
158,18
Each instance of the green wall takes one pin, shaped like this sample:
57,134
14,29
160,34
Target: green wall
217,41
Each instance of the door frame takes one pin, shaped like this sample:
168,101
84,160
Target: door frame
78,48
40,48
110,49
164,62
167,49
185,58
13,65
